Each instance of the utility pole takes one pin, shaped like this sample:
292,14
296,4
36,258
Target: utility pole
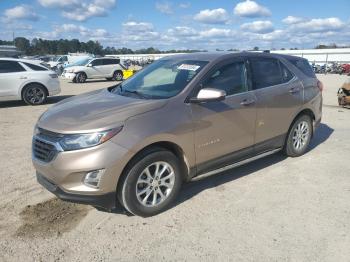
13,37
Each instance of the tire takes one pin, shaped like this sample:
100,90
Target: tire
299,136
34,94
118,75
142,192
80,77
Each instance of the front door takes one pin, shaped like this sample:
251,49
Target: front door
224,131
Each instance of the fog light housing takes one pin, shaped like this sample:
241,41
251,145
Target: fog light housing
92,178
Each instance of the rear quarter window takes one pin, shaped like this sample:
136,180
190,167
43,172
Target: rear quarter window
304,66
35,67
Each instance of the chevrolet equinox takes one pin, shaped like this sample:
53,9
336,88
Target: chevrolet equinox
182,116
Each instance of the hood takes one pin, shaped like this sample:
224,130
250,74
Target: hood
52,63
74,68
94,111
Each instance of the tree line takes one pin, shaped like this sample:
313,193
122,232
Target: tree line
38,46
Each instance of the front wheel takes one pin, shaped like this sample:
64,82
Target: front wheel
299,137
151,185
80,77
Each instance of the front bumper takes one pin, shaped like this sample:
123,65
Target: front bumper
106,201
69,76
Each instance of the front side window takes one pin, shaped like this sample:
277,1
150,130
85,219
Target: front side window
10,67
161,79
231,78
96,62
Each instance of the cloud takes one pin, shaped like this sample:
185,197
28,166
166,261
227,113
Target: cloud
182,31
214,16
216,32
292,20
78,30
258,27
164,7
137,26
80,10
251,9
319,25
138,31
21,12
185,5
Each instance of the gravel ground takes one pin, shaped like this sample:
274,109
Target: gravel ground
275,209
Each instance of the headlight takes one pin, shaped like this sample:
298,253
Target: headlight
80,141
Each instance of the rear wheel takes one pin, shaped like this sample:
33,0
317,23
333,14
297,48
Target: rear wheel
34,94
299,136
151,185
118,75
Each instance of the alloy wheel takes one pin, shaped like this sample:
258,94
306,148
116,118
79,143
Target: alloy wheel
155,183
301,135
35,95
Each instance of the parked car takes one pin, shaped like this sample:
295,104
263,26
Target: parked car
27,80
109,68
344,94
59,62
180,117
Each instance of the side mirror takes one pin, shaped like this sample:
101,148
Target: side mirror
89,65
209,95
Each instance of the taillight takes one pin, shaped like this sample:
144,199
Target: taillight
320,85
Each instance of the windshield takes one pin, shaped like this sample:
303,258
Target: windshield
82,62
162,79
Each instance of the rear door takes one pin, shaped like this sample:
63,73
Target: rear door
12,75
224,131
279,96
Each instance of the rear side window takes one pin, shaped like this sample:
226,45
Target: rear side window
304,66
35,67
10,67
266,72
110,61
286,74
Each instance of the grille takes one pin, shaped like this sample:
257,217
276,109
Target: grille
43,151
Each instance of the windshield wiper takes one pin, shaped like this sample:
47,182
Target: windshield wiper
134,92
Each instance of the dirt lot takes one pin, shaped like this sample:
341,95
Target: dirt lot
275,209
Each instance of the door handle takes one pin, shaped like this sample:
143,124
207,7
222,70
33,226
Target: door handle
294,90
23,77
247,102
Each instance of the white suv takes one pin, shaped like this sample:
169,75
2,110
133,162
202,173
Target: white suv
109,68
27,80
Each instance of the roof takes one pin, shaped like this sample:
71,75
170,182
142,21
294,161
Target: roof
211,56
21,60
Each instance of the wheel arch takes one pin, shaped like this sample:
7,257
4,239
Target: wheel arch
304,111
31,83
153,147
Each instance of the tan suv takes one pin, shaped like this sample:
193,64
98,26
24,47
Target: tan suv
181,117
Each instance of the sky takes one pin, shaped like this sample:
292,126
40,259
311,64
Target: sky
181,24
